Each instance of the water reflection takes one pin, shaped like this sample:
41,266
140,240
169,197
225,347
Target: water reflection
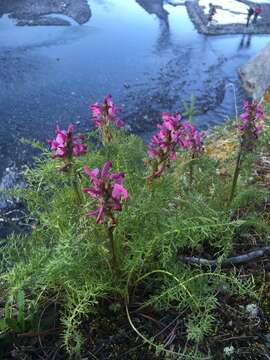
245,41
164,39
151,59
154,7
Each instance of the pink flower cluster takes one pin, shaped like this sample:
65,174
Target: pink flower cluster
191,138
66,145
164,143
173,134
107,189
105,113
251,121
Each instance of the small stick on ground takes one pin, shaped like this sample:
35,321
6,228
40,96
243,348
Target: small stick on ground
231,261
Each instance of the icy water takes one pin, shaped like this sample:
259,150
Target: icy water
149,63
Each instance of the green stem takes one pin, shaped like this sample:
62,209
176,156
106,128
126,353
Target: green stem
75,185
191,168
150,178
76,189
149,182
114,248
236,174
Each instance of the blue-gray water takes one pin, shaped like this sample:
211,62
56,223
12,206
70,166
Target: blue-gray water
50,75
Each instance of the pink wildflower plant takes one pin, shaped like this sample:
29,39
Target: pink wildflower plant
250,127
105,114
108,191
66,145
251,124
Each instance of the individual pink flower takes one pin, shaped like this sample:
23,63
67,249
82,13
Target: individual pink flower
66,145
108,191
251,124
105,113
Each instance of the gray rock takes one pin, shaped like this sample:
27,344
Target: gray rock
255,74
33,12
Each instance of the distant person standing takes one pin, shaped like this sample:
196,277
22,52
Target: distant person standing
258,11
250,13
212,12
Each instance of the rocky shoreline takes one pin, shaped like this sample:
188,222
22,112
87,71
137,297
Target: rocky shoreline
38,12
255,75
199,19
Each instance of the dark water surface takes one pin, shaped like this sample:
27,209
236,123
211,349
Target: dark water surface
50,75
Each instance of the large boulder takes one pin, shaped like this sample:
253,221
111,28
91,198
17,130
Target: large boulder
255,74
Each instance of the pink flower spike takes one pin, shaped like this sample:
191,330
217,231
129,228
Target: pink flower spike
66,145
250,124
173,134
191,138
105,113
107,190
164,144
